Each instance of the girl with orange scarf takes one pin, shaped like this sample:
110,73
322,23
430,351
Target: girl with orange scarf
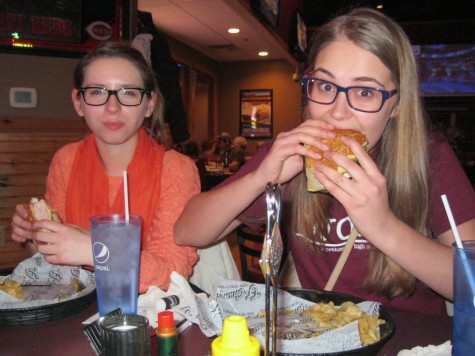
116,94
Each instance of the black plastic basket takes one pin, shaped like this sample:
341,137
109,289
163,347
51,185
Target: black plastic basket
41,314
315,296
44,313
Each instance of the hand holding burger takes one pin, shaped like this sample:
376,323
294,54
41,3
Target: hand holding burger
336,145
38,209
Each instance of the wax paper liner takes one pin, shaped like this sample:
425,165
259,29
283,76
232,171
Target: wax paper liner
44,283
248,300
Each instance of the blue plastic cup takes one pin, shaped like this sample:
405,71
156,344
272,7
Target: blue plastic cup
464,299
116,252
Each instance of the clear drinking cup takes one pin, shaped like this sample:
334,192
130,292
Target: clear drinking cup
116,252
464,298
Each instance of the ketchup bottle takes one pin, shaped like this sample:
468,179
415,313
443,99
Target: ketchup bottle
167,343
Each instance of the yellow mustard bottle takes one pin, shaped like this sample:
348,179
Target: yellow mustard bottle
235,339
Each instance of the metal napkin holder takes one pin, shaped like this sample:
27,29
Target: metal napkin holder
270,261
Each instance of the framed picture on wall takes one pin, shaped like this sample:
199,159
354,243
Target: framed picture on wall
256,113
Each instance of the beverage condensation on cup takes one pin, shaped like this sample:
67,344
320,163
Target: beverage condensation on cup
464,298
116,253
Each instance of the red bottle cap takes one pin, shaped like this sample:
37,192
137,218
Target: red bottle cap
166,319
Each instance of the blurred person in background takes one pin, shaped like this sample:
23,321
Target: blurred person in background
237,153
207,149
223,145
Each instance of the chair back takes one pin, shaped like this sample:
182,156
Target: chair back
250,247
216,263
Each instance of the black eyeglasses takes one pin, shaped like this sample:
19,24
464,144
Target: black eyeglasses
97,96
360,98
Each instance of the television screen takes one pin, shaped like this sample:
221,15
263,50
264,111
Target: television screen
446,70
301,34
298,37
269,9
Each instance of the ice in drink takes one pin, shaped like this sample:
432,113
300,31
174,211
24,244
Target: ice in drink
116,252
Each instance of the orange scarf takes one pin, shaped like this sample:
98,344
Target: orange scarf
88,187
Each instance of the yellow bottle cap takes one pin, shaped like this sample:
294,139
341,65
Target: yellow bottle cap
235,339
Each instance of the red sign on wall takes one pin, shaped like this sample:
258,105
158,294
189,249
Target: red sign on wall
68,27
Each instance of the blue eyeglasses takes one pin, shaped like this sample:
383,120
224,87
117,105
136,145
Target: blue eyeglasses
360,98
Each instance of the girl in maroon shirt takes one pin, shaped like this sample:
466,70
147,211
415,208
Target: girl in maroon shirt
362,76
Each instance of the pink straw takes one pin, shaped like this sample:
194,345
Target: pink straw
126,195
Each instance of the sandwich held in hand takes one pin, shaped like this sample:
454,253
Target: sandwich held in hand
38,209
336,145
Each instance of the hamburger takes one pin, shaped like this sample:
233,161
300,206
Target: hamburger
38,209
336,145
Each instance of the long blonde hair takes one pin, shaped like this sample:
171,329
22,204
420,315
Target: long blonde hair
403,156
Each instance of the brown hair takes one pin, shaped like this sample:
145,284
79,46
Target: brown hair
125,51
402,157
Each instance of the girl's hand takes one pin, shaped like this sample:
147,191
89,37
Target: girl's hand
284,160
21,226
63,243
365,195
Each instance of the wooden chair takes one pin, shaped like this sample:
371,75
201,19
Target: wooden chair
250,246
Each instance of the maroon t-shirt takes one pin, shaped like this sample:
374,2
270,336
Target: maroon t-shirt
447,177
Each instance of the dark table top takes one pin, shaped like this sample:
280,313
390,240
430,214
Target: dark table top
66,336
212,179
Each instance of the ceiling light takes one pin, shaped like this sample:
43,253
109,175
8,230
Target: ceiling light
233,30
263,54
380,6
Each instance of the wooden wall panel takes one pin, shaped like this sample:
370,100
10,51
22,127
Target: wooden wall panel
27,146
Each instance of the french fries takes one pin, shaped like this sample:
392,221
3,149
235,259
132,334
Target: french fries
13,288
331,317
326,316
368,328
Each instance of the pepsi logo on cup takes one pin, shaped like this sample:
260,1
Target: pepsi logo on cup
101,252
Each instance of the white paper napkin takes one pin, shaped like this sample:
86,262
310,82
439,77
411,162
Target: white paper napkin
149,304
444,349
